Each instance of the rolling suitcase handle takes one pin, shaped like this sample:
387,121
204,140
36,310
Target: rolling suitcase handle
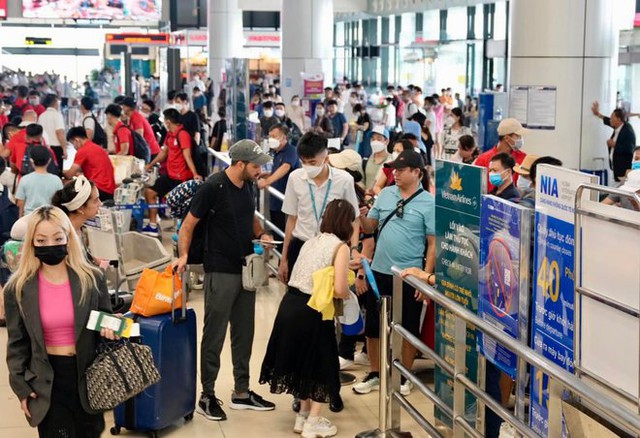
183,316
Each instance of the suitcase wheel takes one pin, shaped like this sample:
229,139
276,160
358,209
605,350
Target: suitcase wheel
115,430
188,417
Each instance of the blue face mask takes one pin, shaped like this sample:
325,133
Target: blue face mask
495,179
635,165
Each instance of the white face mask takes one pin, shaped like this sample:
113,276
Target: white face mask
295,103
274,143
319,112
523,183
353,100
395,155
519,144
449,121
268,113
312,171
377,146
279,113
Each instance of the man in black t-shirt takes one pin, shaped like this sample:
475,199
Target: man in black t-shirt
227,203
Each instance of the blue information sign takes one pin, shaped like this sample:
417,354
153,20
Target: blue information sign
553,292
503,287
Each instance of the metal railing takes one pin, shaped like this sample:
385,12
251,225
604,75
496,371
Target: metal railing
392,333
580,213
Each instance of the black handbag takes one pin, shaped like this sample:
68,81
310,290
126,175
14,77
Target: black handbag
121,371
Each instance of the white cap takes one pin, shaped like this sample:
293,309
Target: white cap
511,126
380,129
632,183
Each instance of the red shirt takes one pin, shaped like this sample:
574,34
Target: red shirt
39,109
96,166
177,167
137,122
4,119
122,134
18,150
484,159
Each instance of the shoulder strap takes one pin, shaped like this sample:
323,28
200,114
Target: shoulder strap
394,212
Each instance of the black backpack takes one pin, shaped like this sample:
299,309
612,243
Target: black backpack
27,168
8,215
99,136
140,146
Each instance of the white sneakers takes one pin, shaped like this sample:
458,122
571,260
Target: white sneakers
405,389
370,383
299,424
318,427
358,359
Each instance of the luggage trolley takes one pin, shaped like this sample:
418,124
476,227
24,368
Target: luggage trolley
129,251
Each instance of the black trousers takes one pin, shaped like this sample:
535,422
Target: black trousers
57,150
66,417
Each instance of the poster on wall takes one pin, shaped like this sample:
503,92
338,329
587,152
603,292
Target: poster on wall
459,190
138,10
534,106
554,281
503,288
313,84
3,9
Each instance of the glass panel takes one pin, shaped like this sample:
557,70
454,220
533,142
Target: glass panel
479,23
339,34
450,66
500,21
457,23
431,26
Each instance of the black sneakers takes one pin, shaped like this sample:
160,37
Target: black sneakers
254,403
209,406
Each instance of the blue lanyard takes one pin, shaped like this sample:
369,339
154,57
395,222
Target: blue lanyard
324,203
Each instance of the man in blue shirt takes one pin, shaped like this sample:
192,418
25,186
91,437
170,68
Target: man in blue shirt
285,161
339,123
404,215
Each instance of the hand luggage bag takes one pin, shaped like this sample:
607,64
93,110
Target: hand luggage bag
172,338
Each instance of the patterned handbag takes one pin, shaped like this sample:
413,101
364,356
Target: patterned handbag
120,372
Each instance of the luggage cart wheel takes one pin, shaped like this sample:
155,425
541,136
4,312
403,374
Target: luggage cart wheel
188,417
115,430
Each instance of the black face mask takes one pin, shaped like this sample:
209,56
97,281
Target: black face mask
51,255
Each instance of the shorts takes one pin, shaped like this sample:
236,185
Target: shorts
164,185
411,309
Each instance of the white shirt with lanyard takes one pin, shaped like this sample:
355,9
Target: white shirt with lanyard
308,202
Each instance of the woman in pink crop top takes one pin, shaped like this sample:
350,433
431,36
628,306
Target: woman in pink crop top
48,301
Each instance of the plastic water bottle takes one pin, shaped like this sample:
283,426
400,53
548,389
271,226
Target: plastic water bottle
258,249
499,113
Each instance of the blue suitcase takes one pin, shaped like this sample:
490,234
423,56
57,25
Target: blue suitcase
173,341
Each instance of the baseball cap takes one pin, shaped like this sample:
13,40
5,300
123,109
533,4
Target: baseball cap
408,158
511,126
128,102
380,129
247,150
632,184
347,159
525,167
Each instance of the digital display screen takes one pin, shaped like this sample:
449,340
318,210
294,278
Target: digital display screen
138,38
139,10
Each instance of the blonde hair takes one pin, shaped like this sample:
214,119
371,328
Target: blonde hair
75,260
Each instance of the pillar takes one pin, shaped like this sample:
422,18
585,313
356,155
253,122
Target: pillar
307,43
571,44
224,22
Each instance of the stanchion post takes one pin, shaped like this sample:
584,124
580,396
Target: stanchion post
395,315
384,411
459,409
